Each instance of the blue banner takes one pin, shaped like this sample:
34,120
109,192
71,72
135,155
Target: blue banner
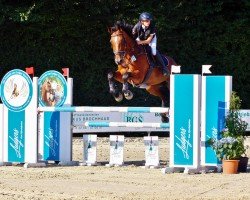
183,119
16,136
51,135
215,113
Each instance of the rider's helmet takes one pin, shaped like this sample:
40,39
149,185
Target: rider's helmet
145,16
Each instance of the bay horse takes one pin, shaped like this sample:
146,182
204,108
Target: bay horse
134,68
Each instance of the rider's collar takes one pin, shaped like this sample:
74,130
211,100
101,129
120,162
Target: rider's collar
144,27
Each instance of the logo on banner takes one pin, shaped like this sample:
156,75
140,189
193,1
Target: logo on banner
133,117
52,89
16,90
184,140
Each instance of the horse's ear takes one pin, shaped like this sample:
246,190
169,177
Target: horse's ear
119,25
109,29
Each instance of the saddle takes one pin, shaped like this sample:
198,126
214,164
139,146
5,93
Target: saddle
152,61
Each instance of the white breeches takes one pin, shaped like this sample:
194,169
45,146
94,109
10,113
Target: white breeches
152,44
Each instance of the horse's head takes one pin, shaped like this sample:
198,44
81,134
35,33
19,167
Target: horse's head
118,44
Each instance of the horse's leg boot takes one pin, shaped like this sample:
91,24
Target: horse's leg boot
159,59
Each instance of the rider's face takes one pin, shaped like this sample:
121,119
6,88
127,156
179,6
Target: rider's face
145,22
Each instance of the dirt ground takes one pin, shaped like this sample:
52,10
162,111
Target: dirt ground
128,182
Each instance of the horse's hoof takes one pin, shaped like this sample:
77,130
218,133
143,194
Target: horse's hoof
128,95
110,75
119,98
125,76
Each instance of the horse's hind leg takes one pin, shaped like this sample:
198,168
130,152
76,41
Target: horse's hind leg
113,87
127,93
162,91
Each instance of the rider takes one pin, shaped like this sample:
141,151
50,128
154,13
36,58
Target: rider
145,34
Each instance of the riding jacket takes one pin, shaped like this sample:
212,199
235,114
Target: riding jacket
143,32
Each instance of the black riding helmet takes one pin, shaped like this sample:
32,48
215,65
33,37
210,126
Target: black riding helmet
145,16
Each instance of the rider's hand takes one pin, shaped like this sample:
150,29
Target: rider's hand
139,42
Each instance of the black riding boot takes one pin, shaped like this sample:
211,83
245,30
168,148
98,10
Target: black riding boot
161,62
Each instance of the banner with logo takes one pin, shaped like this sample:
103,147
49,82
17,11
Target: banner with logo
54,127
185,121
216,91
79,118
19,96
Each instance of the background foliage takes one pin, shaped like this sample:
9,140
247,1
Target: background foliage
52,34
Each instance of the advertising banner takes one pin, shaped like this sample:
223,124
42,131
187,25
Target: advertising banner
185,120
79,118
54,127
18,95
216,91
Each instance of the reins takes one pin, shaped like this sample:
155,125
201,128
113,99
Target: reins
126,51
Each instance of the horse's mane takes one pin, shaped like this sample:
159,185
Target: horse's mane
124,26
127,28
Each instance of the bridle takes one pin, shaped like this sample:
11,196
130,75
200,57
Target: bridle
126,51
121,53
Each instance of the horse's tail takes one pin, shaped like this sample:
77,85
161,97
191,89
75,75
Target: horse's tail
170,62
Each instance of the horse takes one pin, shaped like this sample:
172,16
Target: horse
47,94
134,68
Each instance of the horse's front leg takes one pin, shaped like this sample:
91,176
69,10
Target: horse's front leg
127,93
113,87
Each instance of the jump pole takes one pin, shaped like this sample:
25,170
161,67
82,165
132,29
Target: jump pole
104,109
127,124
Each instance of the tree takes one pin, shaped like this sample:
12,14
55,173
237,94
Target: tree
54,34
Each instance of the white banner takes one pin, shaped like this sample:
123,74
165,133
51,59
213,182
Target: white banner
79,118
